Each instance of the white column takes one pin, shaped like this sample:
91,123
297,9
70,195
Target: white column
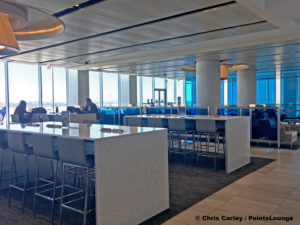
246,87
208,84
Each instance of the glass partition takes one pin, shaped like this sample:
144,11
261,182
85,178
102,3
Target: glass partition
196,111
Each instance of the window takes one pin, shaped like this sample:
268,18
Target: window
2,85
180,91
170,91
265,92
60,88
290,92
23,85
73,88
159,83
110,89
147,89
94,87
124,90
139,97
222,92
47,91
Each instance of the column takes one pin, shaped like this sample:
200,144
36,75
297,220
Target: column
246,87
208,84
83,86
133,90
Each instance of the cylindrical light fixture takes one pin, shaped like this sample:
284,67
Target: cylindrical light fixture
224,72
8,42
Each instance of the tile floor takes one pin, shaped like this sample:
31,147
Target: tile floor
273,190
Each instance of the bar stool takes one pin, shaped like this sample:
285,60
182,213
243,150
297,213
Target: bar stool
43,148
44,117
35,118
72,154
134,121
3,151
154,122
177,127
208,130
16,145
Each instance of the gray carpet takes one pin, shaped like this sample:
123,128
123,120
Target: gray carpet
188,185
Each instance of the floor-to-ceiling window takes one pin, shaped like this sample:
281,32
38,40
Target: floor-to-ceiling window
147,89
290,92
124,90
110,89
180,91
170,91
232,89
94,87
23,85
47,88
265,88
60,88
139,92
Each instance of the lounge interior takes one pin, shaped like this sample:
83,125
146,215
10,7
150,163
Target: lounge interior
126,112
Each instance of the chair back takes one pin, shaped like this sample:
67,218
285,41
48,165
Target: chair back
177,124
16,141
134,121
43,146
72,150
35,118
91,121
57,118
44,117
154,122
206,125
15,118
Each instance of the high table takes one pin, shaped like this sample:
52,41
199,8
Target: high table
131,168
237,135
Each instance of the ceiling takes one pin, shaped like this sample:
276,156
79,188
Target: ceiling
158,38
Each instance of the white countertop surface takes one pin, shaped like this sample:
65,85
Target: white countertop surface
196,117
76,130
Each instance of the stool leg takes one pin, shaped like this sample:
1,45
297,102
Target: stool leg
36,185
1,168
86,195
54,190
25,183
62,195
11,178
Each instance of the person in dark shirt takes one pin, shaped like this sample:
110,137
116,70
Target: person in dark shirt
90,106
21,111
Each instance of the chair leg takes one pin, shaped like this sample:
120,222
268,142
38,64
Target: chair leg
62,195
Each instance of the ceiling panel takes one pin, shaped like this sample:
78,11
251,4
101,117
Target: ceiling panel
158,35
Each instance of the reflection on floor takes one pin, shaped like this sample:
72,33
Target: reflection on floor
273,190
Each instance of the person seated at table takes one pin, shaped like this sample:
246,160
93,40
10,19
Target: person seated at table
21,111
90,106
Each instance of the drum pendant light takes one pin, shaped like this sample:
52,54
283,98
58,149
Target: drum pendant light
8,42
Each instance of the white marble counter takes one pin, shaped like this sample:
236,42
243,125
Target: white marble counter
76,130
